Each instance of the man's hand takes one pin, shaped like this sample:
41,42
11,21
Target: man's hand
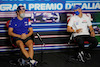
23,36
78,30
92,34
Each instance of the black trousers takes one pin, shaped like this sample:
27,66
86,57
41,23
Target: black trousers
80,41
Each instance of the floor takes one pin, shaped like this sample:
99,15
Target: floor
56,59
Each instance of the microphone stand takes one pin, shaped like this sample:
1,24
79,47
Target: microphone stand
41,63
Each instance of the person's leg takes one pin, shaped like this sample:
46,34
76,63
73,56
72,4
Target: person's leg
21,46
93,42
29,44
80,42
80,50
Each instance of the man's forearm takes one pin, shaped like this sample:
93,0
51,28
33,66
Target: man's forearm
91,29
14,35
29,34
70,30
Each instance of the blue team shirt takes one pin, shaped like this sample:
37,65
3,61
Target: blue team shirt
20,26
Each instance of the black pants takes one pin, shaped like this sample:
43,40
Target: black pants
24,41
80,41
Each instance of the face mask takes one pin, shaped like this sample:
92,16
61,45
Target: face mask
22,15
77,13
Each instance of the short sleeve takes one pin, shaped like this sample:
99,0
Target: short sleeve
70,23
11,24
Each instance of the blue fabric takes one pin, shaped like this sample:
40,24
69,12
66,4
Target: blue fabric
77,13
20,26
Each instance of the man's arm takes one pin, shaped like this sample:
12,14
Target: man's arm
10,32
30,32
24,36
92,31
69,29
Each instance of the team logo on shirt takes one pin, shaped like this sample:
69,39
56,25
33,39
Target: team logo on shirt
25,23
15,24
77,23
84,21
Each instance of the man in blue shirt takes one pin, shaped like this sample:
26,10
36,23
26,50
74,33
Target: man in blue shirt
18,28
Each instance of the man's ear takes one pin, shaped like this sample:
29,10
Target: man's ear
17,13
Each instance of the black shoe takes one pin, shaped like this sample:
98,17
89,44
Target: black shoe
87,56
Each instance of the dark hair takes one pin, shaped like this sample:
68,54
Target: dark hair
17,11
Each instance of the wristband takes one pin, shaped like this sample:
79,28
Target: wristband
92,30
